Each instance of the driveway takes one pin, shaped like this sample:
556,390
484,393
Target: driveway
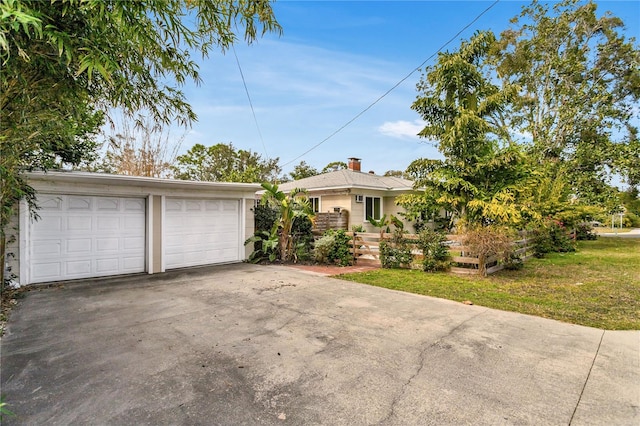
270,345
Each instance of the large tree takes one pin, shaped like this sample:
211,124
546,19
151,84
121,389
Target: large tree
64,61
224,163
303,170
579,86
482,172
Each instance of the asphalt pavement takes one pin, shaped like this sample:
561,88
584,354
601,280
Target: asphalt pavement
270,345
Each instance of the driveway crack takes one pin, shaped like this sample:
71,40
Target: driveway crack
593,362
421,361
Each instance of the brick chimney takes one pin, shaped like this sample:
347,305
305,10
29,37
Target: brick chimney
354,164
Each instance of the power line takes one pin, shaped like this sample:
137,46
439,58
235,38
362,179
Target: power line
246,89
394,87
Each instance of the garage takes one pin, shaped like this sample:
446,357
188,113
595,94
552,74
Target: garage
201,232
81,236
98,224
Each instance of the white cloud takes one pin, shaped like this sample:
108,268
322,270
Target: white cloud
402,129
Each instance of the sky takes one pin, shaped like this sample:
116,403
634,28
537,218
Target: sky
332,61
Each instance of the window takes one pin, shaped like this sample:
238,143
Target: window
359,199
315,204
373,208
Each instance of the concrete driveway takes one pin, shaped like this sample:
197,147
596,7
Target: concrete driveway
246,344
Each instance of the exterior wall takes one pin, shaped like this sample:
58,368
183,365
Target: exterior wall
329,201
153,190
155,206
347,201
390,208
249,225
358,217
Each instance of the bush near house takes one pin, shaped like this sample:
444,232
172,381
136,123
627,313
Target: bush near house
333,248
552,236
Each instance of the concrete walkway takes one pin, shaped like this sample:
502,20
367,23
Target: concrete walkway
248,344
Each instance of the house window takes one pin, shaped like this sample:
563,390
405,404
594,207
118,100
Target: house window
315,204
373,208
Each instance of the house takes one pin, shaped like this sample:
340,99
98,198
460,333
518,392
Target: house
358,194
95,225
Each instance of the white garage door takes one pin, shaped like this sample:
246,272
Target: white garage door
85,236
201,232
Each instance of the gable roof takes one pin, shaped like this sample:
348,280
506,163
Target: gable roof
343,179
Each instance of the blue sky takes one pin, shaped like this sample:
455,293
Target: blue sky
332,61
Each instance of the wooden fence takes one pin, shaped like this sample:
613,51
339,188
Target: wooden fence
365,247
324,221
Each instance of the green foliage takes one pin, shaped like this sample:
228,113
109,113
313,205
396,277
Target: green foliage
223,163
357,228
289,207
382,223
264,217
265,246
584,231
419,208
302,234
395,173
334,247
123,55
552,236
323,247
396,252
4,411
334,166
434,250
633,220
303,170
482,172
578,82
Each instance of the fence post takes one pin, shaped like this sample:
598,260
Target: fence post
353,247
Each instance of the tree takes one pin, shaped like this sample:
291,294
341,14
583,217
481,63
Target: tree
578,85
303,170
65,62
223,163
334,166
482,172
143,150
124,52
395,173
289,206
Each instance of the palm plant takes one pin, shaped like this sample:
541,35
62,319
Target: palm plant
289,206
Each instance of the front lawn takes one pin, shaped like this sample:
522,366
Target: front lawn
597,286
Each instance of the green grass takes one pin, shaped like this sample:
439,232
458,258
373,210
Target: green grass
597,286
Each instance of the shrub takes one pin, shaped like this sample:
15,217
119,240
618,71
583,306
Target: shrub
265,246
552,236
435,252
302,234
584,231
632,219
322,248
341,252
513,262
264,217
395,253
488,241
333,247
